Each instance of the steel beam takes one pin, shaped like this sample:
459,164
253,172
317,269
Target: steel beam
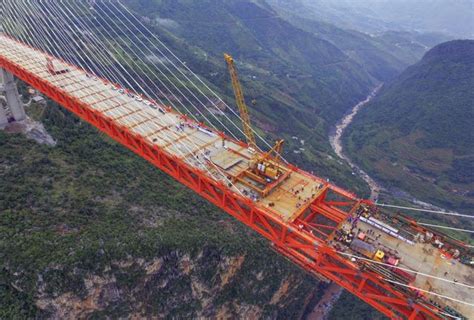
298,245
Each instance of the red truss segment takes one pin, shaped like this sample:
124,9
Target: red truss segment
302,240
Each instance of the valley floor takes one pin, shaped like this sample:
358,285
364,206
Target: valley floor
336,143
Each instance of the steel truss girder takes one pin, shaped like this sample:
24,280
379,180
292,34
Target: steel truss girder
299,246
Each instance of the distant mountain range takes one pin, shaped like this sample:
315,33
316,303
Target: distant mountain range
418,133
450,17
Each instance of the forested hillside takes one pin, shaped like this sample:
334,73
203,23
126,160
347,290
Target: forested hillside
383,54
418,134
89,230
309,75
289,71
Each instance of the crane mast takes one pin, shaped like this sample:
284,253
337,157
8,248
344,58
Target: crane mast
239,97
264,172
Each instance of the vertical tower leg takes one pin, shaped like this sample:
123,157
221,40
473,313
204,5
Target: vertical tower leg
3,114
11,94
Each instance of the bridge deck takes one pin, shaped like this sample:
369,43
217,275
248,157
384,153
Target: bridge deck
293,215
197,145
421,258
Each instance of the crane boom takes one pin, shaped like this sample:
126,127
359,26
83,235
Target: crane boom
239,97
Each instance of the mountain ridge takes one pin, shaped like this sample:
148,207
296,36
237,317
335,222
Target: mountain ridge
417,133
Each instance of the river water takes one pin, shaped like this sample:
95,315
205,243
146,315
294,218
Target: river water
335,138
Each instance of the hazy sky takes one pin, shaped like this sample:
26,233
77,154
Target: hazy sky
455,17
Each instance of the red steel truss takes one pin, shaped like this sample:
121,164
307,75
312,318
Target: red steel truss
303,241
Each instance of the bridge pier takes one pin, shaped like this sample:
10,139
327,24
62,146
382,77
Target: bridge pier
3,113
13,108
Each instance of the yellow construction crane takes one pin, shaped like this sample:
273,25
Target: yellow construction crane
267,164
239,97
265,170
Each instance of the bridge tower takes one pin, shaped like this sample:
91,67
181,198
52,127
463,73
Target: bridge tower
13,109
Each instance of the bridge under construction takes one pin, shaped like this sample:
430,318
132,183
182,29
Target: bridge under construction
401,268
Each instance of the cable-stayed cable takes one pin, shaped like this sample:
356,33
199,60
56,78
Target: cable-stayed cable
212,164
43,45
426,210
184,85
151,34
191,152
457,283
444,227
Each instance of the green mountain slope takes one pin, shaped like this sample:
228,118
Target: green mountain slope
284,59
383,54
302,76
301,84
418,133
90,230
91,225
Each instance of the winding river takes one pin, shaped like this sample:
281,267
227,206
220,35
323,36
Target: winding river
335,138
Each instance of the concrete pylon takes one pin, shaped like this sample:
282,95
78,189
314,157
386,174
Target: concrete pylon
10,91
3,115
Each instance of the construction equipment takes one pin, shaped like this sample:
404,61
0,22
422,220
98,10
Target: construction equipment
265,171
267,163
52,69
239,97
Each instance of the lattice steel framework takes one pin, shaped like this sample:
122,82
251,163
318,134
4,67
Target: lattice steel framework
306,246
